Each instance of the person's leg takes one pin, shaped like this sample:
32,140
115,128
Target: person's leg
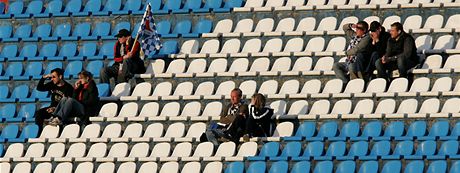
341,70
402,67
352,70
40,117
381,69
233,133
371,65
107,73
359,66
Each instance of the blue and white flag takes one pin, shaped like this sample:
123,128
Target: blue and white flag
150,40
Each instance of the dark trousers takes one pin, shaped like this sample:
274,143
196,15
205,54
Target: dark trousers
384,70
355,69
258,127
236,129
68,108
130,67
40,116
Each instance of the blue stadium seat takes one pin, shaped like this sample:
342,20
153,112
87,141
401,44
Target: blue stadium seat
103,89
91,7
438,129
169,6
301,167
454,134
182,27
155,6
55,8
27,112
9,51
346,167
349,130
209,6
327,130
106,51
9,132
392,167
2,10
109,7
163,27
13,69
270,149
403,148
324,167
29,131
203,26
36,9
94,67
438,166
416,166
425,148
42,31
14,9
82,30
169,47
394,129
67,50
291,149
2,148
72,7
372,129
31,8
369,167
189,5
257,167
415,130
86,50
334,150
356,150
36,96
6,31
47,50
279,167
455,167
19,92
51,66
235,167
448,149
7,111
130,6
306,130
313,149
379,149
4,91
229,5
27,51
72,69
60,31
23,31
135,30
101,30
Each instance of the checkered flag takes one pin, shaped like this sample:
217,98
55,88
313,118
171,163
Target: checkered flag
148,34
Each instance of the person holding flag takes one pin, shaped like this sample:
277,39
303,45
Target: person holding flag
128,59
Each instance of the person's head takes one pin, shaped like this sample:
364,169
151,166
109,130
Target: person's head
258,100
375,27
56,75
361,28
85,76
396,30
235,96
123,35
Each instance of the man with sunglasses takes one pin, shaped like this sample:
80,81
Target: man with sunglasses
58,88
357,53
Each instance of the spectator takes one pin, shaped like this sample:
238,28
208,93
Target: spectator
58,88
357,52
127,60
84,103
231,123
400,54
259,122
379,45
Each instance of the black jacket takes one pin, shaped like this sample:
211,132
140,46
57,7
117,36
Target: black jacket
227,118
381,46
403,47
259,122
89,98
57,92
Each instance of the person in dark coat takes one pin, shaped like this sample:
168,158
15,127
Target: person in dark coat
379,45
259,121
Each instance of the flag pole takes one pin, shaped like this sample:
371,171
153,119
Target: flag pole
147,10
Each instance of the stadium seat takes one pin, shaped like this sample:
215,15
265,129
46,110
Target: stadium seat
9,51
209,6
8,111
27,51
60,31
324,167
25,114
6,31
29,131
9,132
40,32
109,7
72,69
14,69
203,26
169,7
81,30
235,167
270,149
188,6
94,67
301,167
130,6
291,149
14,9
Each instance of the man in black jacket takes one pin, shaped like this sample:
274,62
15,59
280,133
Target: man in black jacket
58,88
379,45
400,54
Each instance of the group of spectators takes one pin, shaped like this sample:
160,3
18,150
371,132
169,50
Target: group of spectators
373,48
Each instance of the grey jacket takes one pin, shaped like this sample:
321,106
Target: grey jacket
364,46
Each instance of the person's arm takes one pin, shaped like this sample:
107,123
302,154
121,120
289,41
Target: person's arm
223,117
76,91
347,28
117,56
92,97
362,46
41,86
408,46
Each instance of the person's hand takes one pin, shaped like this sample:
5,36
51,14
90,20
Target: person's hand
47,76
384,59
375,37
353,26
125,57
50,109
78,83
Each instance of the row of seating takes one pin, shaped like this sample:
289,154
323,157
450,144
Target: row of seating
327,26
13,133
11,113
288,5
416,166
57,8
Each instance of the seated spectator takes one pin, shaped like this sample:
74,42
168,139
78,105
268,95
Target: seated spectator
58,88
400,54
259,122
379,45
127,60
84,103
357,53
231,123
